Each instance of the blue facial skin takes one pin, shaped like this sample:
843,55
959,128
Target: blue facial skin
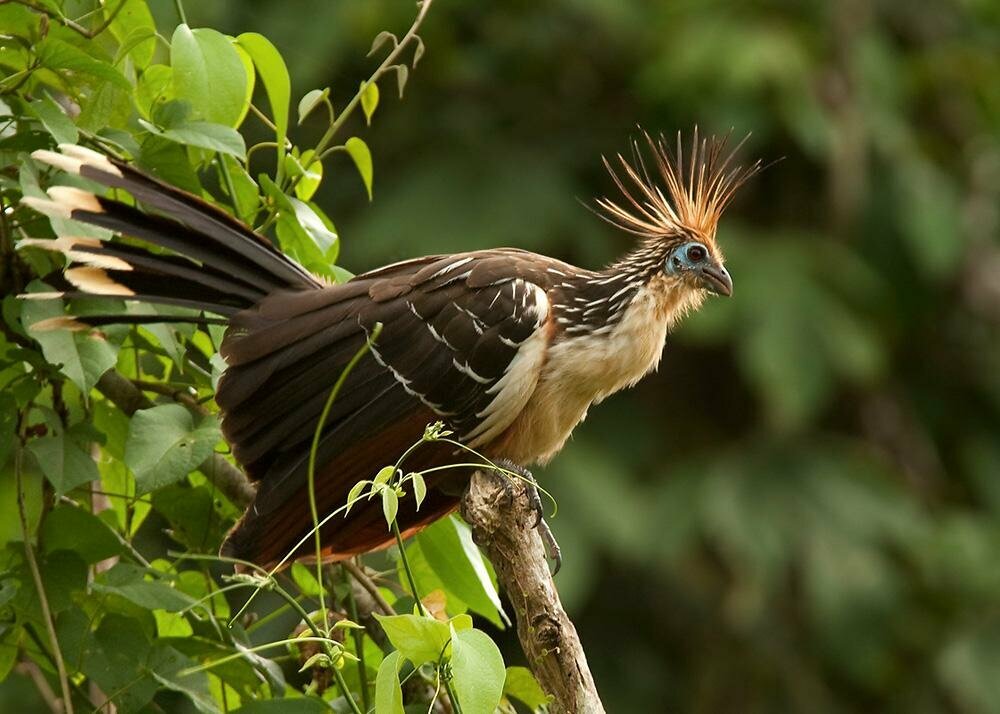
694,258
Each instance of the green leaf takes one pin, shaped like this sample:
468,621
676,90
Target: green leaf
521,684
478,670
207,135
114,658
362,157
419,488
311,171
72,528
390,505
129,581
419,639
55,120
198,518
384,475
380,39
305,579
154,86
369,100
274,74
388,693
402,74
247,198
63,459
355,493
457,561
164,445
165,666
131,22
304,236
247,61
209,74
56,54
299,705
83,356
312,99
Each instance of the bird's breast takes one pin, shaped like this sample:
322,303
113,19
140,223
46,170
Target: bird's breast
582,370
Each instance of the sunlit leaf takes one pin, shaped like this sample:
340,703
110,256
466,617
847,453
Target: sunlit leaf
388,693
369,99
208,73
521,684
419,639
277,84
478,670
362,157
130,23
312,99
456,559
390,505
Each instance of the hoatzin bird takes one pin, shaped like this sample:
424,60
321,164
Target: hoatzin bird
507,348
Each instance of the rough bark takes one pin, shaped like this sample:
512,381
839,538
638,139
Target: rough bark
501,520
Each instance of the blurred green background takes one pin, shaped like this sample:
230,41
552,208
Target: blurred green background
801,510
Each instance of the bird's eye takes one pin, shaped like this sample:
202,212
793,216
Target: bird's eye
696,253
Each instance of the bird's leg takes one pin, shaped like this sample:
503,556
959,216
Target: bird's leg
552,549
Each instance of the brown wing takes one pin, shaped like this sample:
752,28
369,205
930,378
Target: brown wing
462,342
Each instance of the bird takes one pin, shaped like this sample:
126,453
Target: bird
507,349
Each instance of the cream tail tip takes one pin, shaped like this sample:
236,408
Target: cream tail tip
90,158
46,206
76,199
60,161
96,281
63,322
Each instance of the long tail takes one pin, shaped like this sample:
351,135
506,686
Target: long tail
215,263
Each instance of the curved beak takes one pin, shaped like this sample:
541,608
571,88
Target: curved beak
715,278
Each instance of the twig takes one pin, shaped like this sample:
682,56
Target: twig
41,684
502,525
227,478
71,24
36,574
368,584
167,390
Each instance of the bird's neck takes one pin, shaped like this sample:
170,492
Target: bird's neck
595,302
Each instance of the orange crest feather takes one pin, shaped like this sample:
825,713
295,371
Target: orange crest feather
690,197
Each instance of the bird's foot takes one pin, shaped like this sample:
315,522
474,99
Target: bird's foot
552,549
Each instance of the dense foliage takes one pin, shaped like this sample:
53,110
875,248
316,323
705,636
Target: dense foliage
116,489
800,512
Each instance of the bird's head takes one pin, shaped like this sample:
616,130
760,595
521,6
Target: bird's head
675,209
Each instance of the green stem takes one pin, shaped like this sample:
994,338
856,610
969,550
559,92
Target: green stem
230,187
180,11
359,640
36,574
313,510
406,566
342,685
389,60
455,706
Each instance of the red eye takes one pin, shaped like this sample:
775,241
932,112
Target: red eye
696,253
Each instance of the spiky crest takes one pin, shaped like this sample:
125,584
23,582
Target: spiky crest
686,198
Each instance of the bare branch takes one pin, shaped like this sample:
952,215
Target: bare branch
501,524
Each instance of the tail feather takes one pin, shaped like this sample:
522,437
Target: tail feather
215,264
80,323
183,207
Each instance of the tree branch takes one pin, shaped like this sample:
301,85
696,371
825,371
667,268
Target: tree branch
226,477
501,518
